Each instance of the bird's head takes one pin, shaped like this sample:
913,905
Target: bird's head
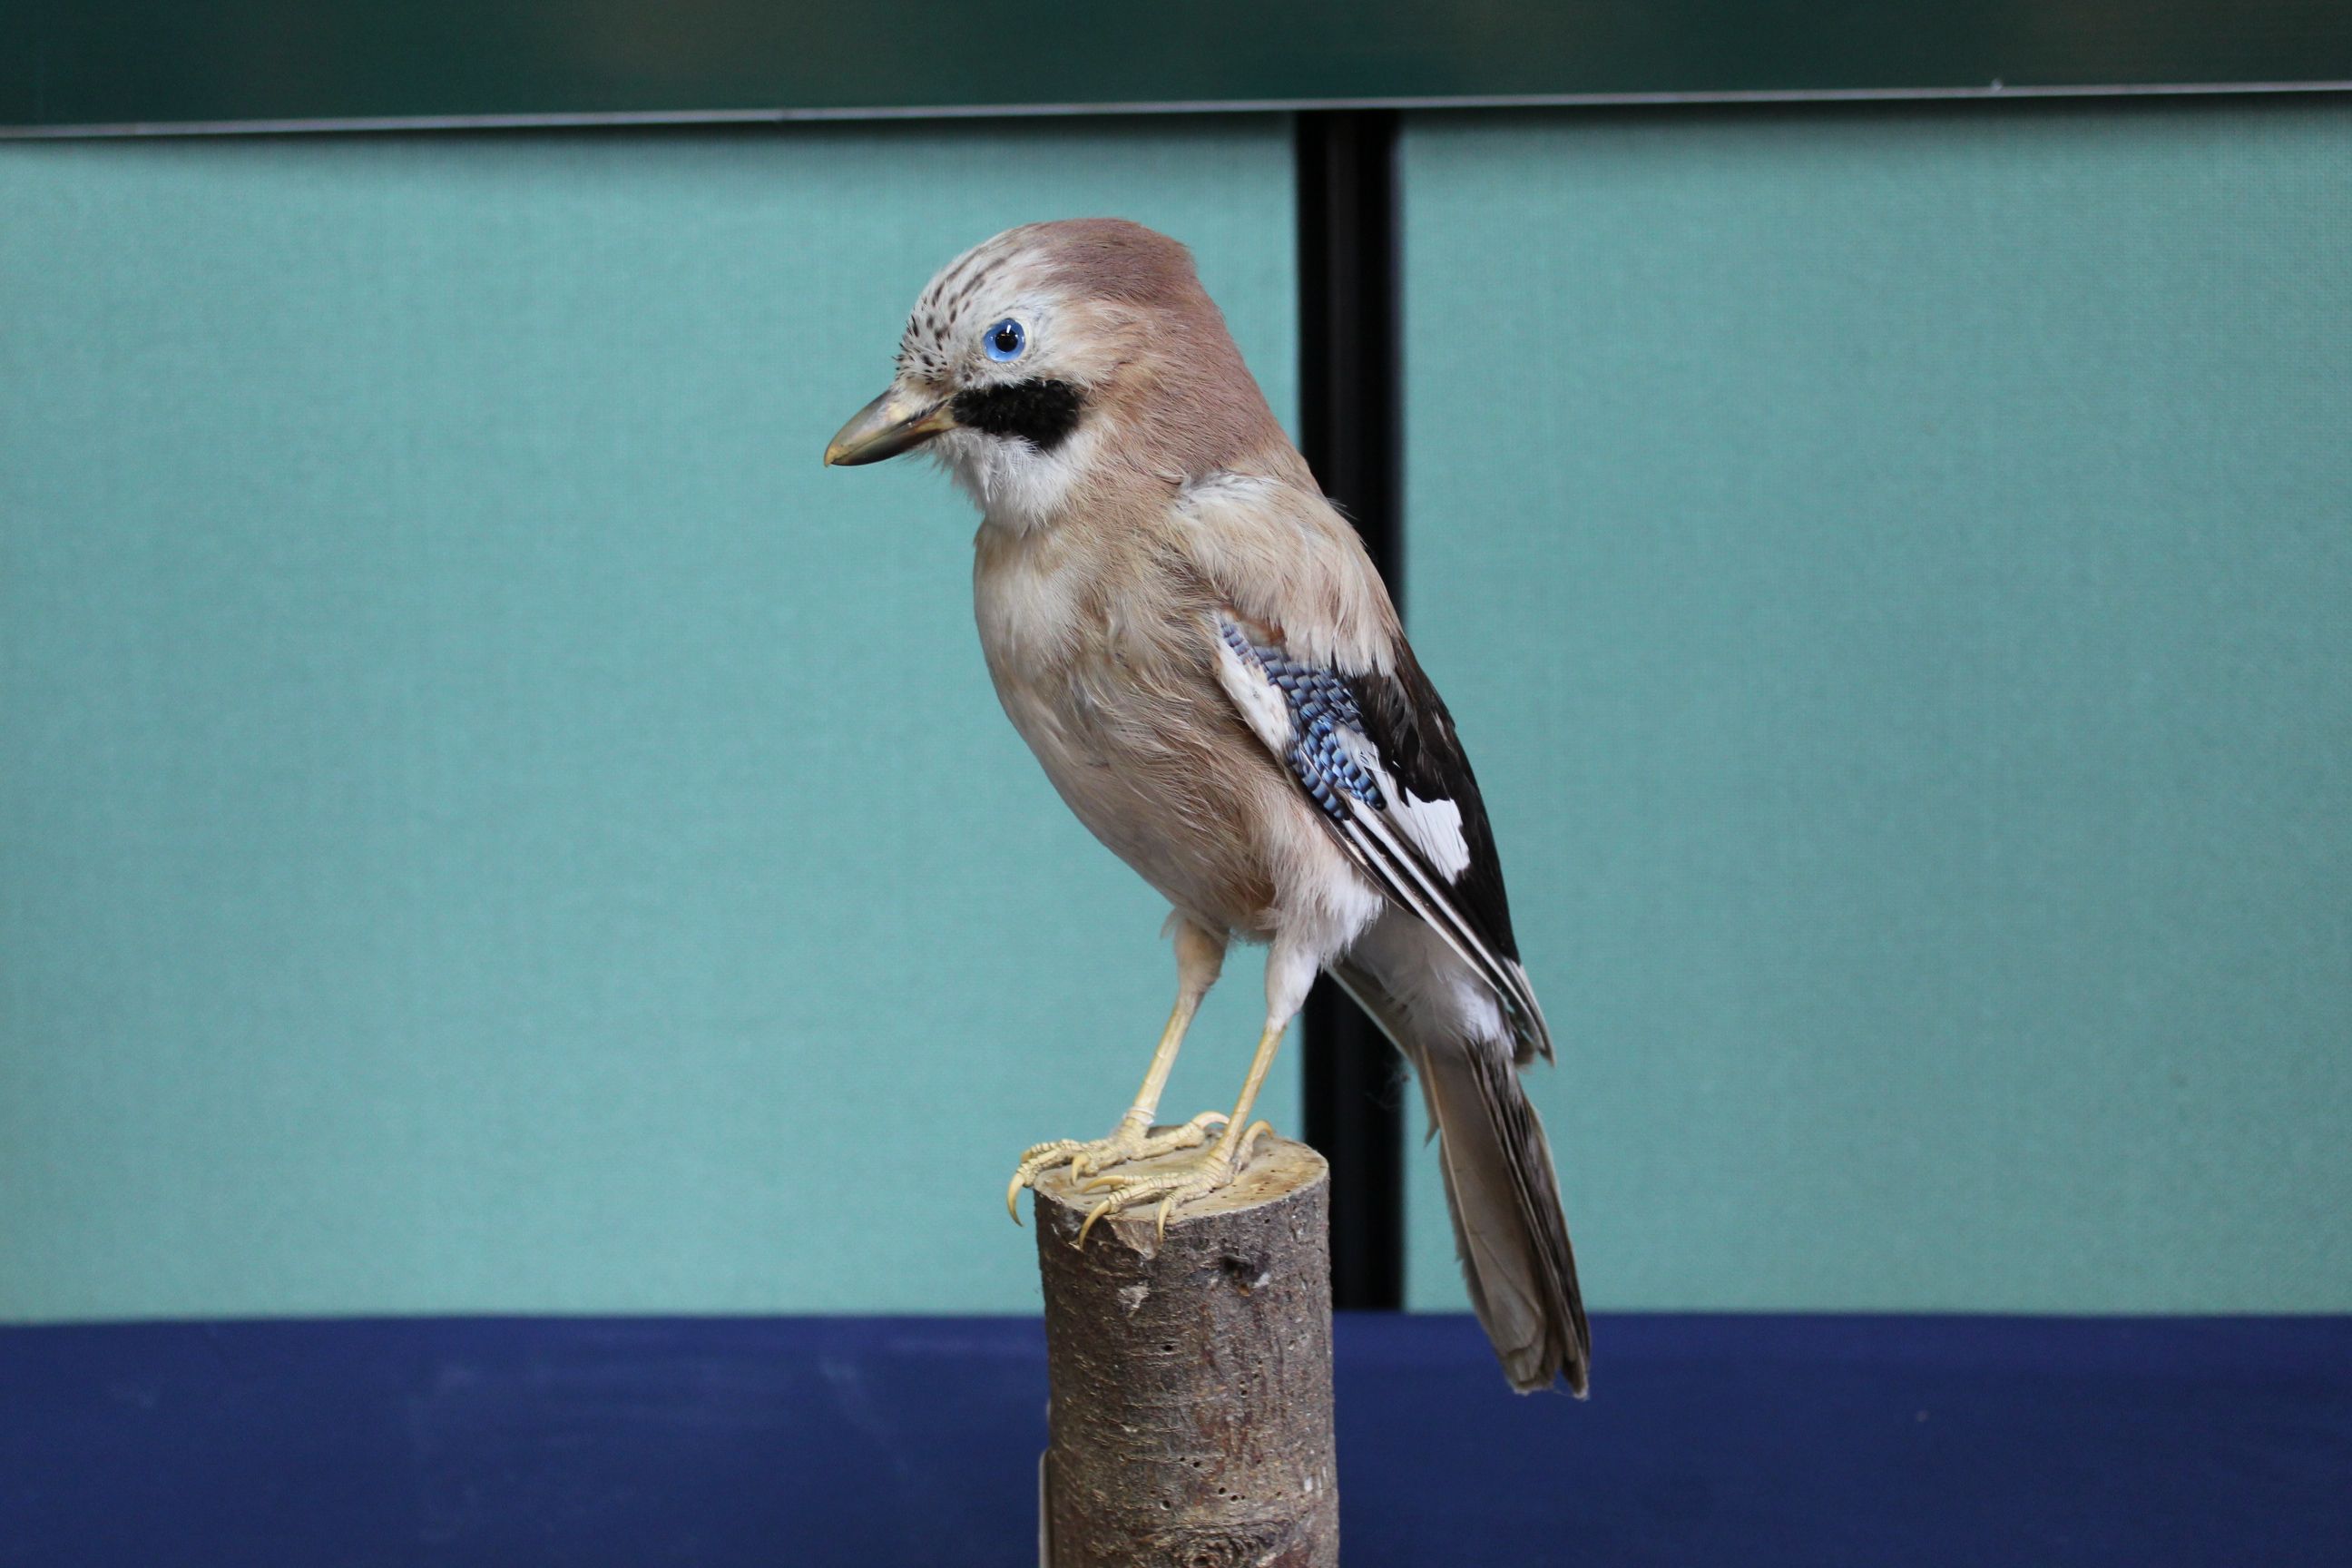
1060,362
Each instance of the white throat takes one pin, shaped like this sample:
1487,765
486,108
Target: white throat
1015,486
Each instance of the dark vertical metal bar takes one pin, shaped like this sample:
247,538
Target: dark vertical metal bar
1351,429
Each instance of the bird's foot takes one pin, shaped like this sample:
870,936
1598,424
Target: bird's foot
1131,1140
1193,1179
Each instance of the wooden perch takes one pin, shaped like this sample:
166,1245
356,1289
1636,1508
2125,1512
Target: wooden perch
1191,1375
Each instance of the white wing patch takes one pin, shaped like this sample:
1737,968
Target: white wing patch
1436,826
1433,827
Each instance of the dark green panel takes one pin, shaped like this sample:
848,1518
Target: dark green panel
119,61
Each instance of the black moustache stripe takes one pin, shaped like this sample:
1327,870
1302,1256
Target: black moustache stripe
1042,412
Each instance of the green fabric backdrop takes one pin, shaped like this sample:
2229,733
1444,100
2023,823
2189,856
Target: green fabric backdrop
490,825
488,822
1893,573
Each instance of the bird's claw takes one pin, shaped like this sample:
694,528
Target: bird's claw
1132,1139
1213,1172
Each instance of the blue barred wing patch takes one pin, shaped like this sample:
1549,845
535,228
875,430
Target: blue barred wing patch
1320,705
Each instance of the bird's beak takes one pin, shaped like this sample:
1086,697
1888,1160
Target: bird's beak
887,426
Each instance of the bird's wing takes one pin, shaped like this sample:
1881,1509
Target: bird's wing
1377,754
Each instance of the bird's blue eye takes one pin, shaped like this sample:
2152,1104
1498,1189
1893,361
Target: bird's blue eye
1006,340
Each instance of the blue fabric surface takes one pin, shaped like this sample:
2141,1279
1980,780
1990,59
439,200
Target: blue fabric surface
1709,1440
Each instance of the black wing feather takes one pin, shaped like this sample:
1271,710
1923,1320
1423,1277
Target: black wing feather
1405,718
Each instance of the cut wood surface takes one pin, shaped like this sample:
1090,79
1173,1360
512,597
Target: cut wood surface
1191,1374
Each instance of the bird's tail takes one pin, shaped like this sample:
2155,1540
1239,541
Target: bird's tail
1504,1200
1508,1229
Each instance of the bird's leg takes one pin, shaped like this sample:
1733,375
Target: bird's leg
1132,1139
1200,956
1288,973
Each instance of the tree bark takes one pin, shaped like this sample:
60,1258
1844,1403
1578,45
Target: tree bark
1191,1375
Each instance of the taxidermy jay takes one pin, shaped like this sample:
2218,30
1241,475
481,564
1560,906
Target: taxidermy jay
1198,649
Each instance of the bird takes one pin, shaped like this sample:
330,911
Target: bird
1196,645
